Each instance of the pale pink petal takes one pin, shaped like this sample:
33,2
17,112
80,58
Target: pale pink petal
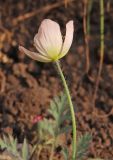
48,41
68,39
34,55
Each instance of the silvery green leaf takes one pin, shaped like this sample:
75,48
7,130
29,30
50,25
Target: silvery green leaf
65,129
13,144
10,144
25,152
83,145
46,127
66,117
2,144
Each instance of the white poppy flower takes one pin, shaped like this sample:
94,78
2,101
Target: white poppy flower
49,43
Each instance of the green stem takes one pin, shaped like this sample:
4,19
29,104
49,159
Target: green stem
71,109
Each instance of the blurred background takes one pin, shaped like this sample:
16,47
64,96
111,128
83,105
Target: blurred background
27,86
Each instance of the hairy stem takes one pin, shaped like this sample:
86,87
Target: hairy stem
71,109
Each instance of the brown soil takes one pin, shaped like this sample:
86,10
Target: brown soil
26,86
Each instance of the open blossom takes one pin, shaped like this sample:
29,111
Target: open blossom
49,43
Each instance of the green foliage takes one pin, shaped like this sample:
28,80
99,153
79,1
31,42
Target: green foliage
11,145
25,149
83,145
46,127
59,111
49,130
55,126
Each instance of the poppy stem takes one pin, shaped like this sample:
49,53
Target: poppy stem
71,109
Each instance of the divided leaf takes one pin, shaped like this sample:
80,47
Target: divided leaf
10,144
83,145
46,127
13,143
59,110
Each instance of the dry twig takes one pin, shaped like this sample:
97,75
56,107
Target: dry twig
86,35
45,9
